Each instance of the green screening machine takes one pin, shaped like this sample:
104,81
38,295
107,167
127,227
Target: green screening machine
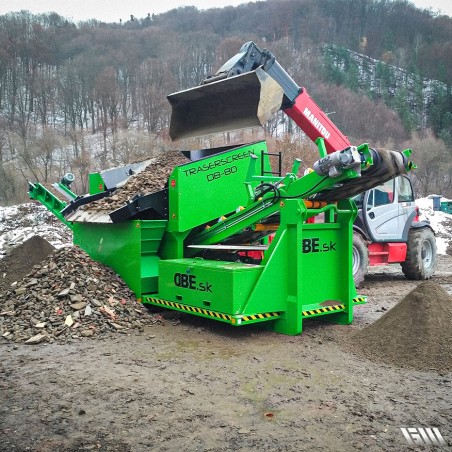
200,245
227,236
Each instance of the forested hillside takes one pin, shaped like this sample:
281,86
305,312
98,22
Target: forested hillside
82,97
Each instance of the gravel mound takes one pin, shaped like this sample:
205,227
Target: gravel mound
21,260
150,180
68,296
416,333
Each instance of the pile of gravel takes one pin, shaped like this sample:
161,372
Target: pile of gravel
68,296
416,333
21,260
150,180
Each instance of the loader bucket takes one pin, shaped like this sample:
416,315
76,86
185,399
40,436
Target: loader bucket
245,100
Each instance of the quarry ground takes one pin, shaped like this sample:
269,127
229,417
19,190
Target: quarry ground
192,384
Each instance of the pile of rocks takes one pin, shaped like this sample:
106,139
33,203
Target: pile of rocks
68,296
150,180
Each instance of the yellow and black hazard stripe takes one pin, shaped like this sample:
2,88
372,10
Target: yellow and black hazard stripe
184,307
335,308
253,318
359,300
264,316
319,311
249,318
234,320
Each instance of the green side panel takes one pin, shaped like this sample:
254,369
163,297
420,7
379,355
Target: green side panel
215,285
308,266
96,183
149,274
151,239
206,189
325,271
130,249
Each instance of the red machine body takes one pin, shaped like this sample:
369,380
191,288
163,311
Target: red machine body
386,253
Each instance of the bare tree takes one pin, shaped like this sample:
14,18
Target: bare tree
434,165
107,96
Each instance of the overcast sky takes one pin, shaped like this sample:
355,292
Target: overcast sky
113,10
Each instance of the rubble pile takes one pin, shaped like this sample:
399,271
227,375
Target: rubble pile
150,180
66,297
416,333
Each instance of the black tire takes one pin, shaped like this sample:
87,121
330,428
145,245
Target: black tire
420,260
360,257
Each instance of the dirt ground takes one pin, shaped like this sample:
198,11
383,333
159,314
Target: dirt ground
199,385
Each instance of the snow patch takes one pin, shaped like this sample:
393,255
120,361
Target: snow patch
441,222
21,222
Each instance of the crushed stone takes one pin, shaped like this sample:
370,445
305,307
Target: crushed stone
151,179
69,296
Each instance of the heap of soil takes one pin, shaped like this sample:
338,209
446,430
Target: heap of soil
21,260
68,296
416,333
151,179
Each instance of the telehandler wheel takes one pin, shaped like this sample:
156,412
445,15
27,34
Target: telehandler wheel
420,260
360,259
